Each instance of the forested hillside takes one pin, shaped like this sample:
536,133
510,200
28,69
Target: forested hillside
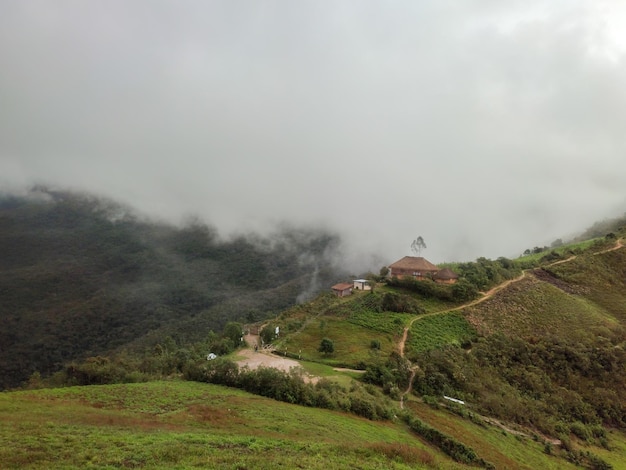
81,276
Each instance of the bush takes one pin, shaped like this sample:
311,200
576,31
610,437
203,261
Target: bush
393,302
326,346
580,430
290,387
455,449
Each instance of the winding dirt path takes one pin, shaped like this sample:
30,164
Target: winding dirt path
486,296
491,292
265,358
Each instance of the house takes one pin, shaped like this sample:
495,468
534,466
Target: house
362,284
446,276
413,266
342,289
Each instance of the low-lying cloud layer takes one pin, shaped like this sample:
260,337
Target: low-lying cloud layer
484,128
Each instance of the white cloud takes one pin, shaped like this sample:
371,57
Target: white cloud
481,126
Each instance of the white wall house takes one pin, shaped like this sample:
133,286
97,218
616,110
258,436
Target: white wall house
362,284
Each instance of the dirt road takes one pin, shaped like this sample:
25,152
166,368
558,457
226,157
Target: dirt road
255,359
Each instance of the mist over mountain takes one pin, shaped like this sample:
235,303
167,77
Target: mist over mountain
438,119
82,275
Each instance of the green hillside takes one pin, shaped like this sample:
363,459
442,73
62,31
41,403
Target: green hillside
543,353
189,425
82,276
92,294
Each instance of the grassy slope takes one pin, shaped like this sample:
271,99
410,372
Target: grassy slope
577,301
181,424
533,308
352,328
504,449
185,424
430,332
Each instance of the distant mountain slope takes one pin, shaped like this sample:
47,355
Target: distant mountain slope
81,276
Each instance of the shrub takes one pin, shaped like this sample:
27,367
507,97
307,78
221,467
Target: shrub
455,449
580,430
326,346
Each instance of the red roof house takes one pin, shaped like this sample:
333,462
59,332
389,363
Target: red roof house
413,266
342,289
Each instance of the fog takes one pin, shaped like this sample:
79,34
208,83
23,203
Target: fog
486,128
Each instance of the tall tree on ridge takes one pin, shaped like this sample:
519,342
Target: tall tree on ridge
417,245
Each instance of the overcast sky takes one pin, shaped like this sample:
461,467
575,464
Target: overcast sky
486,127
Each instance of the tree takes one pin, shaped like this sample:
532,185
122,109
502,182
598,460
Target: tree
384,272
268,334
326,346
557,243
417,245
234,332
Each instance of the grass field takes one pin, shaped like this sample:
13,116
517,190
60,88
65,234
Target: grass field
600,278
431,332
352,326
191,425
531,308
503,449
564,250
352,342
177,424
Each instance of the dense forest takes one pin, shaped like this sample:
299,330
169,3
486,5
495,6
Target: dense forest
82,276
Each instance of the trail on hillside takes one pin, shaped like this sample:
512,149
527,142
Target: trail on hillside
265,358
494,290
486,296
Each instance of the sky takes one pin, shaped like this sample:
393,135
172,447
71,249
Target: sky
485,127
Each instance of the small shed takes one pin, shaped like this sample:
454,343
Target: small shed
362,284
446,276
342,289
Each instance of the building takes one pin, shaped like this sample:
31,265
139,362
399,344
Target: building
342,289
362,284
413,266
446,276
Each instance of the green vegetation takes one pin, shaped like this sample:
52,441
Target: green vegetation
391,374
504,448
455,449
326,346
185,424
350,323
429,289
435,331
82,276
483,274
538,256
291,387
93,295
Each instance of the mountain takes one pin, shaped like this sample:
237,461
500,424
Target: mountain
520,364
83,276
